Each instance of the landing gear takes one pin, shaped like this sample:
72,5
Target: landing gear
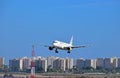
68,51
56,51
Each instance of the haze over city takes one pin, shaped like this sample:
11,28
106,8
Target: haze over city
91,22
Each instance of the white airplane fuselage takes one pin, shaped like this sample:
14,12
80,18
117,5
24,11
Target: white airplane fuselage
61,45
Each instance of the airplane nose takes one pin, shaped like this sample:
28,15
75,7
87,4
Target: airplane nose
53,43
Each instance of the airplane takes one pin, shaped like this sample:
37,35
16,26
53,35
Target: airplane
63,46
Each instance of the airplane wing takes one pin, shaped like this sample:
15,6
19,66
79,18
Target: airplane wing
78,46
47,46
74,47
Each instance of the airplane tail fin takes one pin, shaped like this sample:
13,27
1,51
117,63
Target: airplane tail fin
71,41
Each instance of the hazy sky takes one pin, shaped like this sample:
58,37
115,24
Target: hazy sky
39,22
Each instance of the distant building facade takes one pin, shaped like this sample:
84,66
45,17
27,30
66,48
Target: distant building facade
100,63
2,62
44,64
15,65
61,64
93,63
50,61
114,62
26,62
80,63
68,63
41,64
108,63
118,62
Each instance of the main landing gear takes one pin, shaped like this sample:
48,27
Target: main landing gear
68,51
56,51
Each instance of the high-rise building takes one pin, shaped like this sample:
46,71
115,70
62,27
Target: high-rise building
59,64
56,64
68,63
38,64
118,62
50,61
99,63
2,60
90,63
114,62
108,63
26,63
15,65
62,64
93,63
44,64
80,63
87,63
41,64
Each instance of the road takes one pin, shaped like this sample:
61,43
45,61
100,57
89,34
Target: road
58,75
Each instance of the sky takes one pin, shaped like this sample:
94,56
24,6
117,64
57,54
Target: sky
95,23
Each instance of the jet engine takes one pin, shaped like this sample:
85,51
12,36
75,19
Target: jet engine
51,48
69,48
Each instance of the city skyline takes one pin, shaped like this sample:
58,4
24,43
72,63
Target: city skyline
27,23
58,63
6,61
